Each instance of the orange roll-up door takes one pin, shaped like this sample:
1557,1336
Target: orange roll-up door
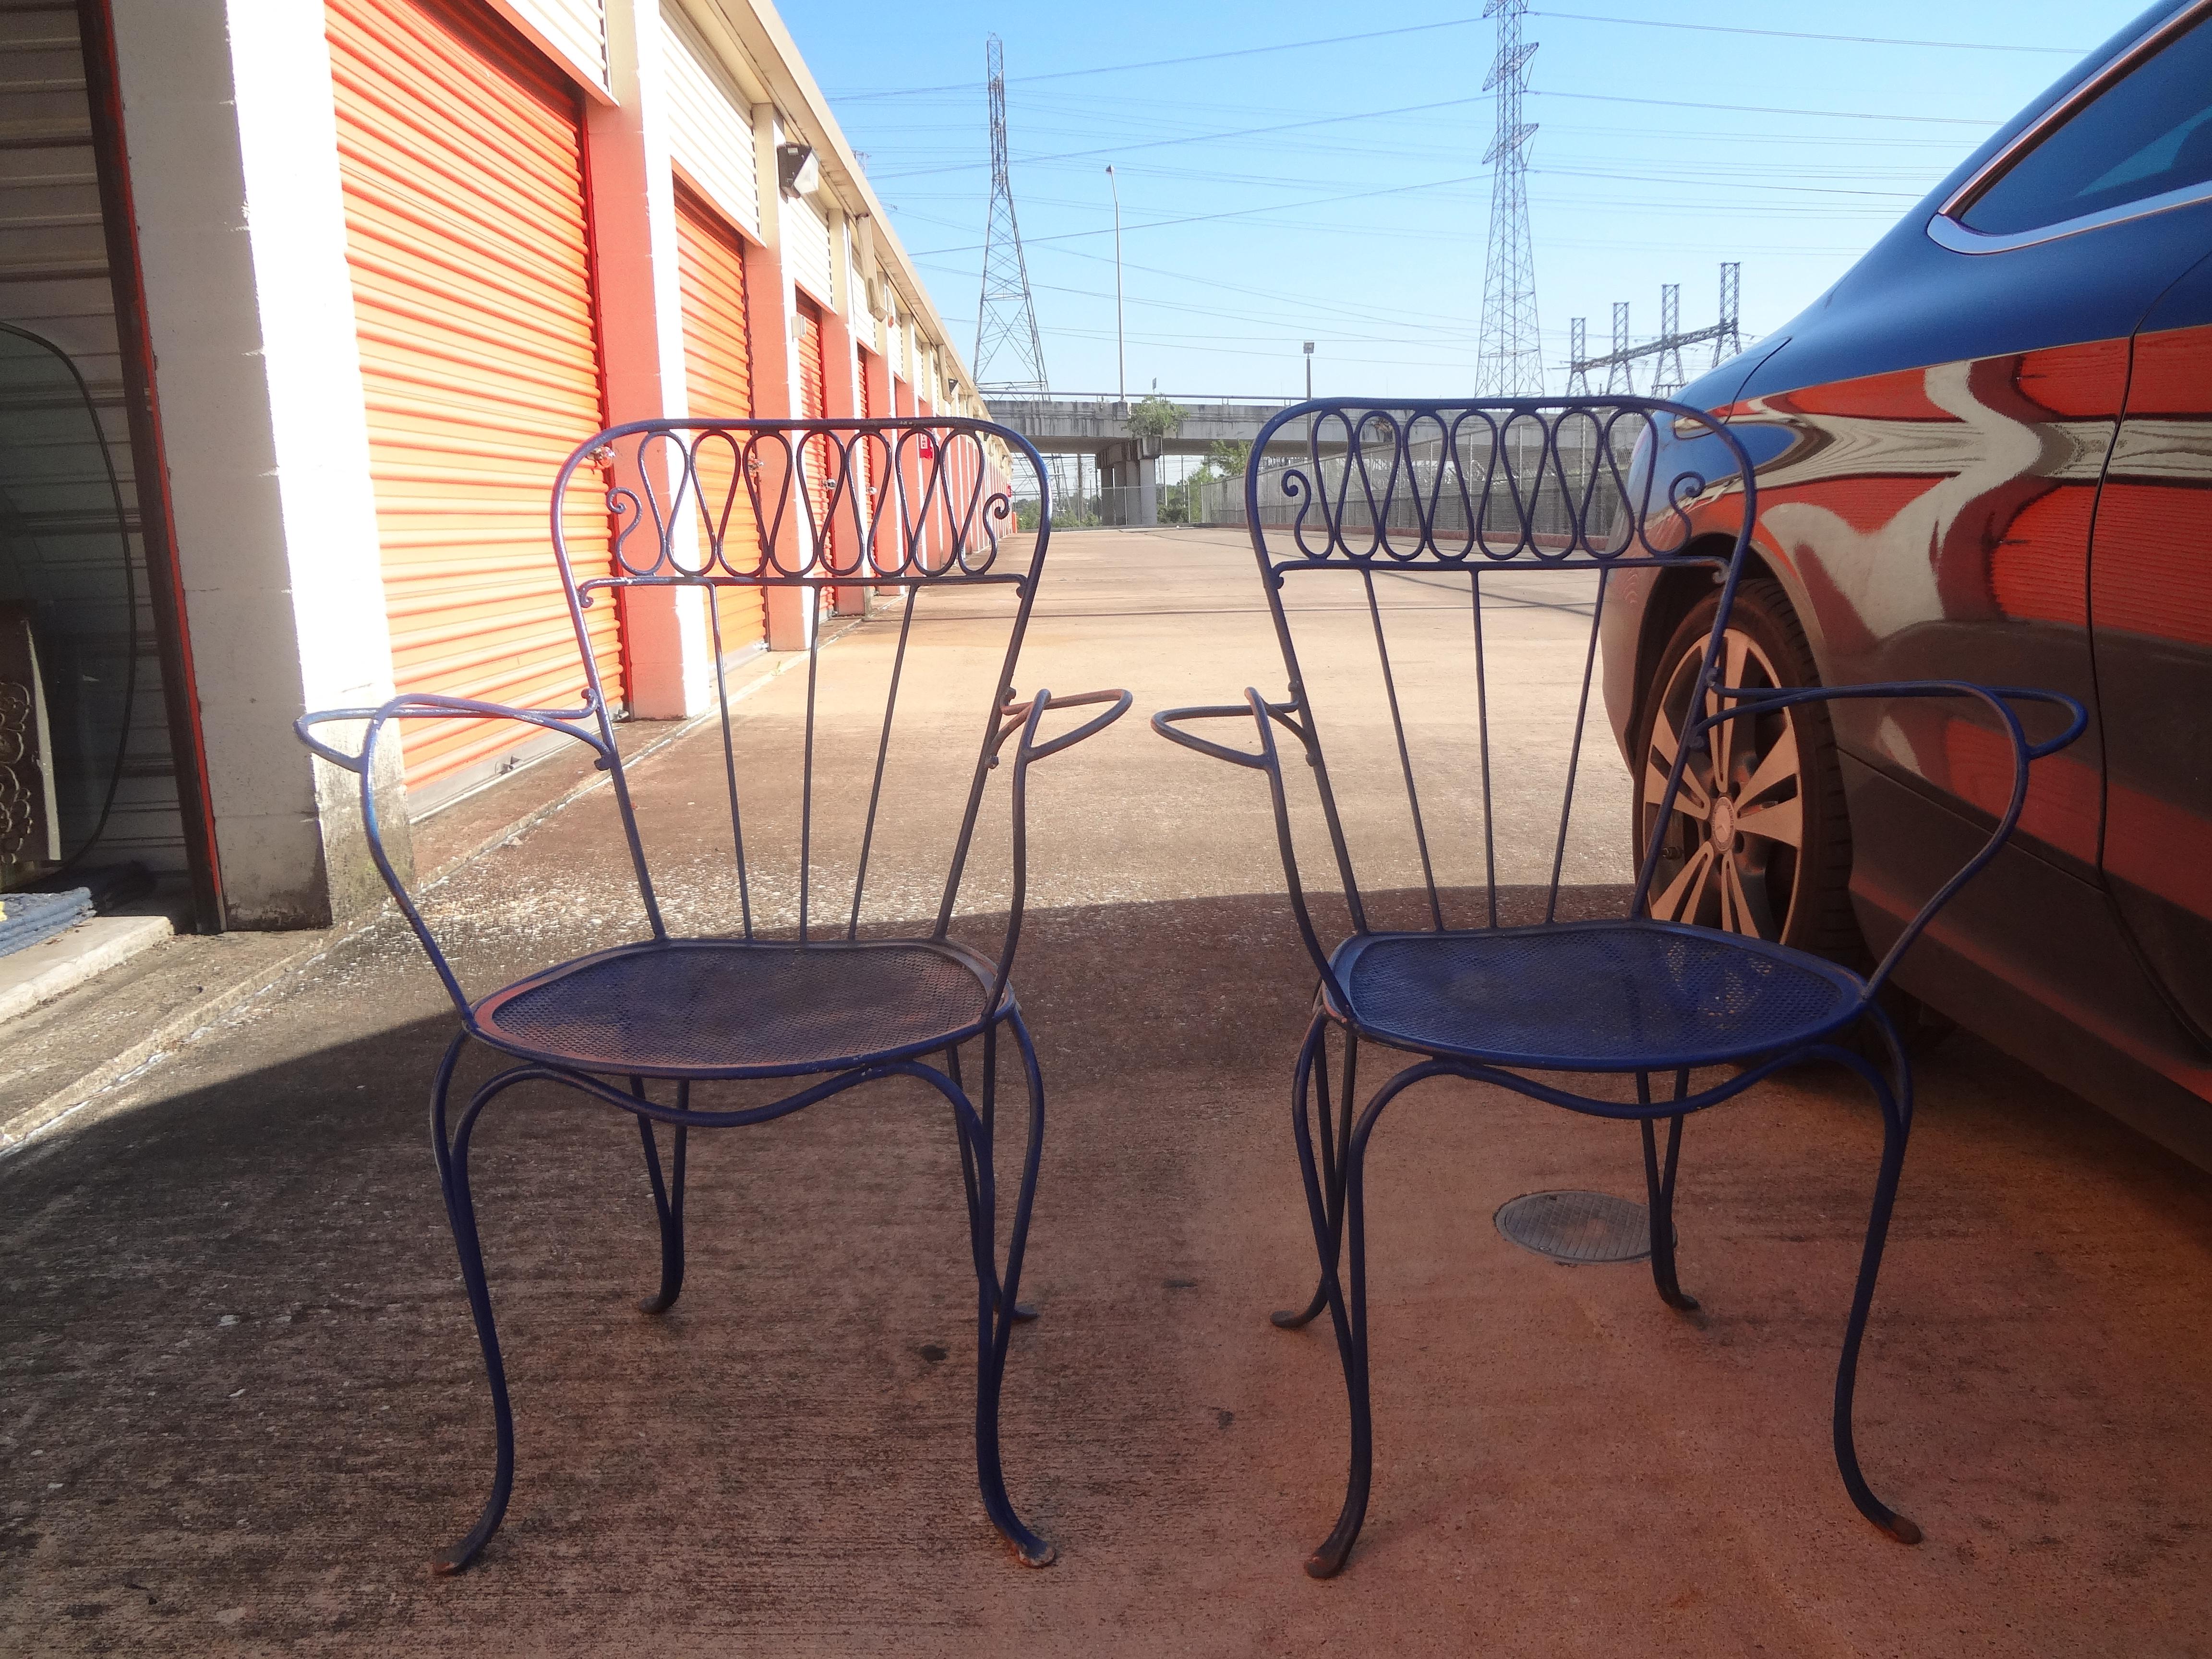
718,367
814,405
868,464
813,384
467,230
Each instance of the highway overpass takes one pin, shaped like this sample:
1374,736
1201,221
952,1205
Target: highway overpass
1098,427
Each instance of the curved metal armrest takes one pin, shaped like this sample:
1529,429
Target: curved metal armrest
426,706
1024,717
1167,720
1264,716
1748,700
363,765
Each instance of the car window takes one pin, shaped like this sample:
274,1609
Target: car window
2149,132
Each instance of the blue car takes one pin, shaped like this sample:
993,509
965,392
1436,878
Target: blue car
1985,453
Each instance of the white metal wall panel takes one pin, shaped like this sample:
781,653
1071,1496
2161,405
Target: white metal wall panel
710,126
806,246
574,30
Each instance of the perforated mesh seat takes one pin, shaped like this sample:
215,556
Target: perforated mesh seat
1591,996
700,1007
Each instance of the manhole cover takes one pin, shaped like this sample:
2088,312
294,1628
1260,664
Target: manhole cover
1576,1227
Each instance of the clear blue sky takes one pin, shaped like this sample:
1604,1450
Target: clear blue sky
1364,227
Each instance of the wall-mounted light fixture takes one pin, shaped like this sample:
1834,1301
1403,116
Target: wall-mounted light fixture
797,169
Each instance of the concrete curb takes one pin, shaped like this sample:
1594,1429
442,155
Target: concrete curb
55,966
164,1039
180,1030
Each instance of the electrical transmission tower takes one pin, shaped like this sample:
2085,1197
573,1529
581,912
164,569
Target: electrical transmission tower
1620,367
1668,378
1727,337
1667,375
1006,338
1508,358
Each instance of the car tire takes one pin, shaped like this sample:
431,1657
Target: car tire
1782,863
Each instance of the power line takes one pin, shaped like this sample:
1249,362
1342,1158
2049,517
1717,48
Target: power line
1799,34
1227,213
1765,109
1447,103
1434,184
1194,139
1456,23
1170,63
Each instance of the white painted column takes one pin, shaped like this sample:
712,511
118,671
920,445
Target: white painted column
230,132
638,270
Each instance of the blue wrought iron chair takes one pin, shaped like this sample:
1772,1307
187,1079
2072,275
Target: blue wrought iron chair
1590,490
913,507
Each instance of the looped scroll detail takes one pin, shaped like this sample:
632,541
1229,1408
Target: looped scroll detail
1439,483
804,501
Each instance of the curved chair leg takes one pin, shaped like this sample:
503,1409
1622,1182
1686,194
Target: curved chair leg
1349,1315
667,1200
996,1309
460,1211
1897,1126
1332,1149
1022,1312
1660,1184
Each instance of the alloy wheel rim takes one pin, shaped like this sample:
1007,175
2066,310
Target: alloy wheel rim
1731,856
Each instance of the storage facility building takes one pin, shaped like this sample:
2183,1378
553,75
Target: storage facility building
340,286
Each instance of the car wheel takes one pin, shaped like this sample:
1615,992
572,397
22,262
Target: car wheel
1758,841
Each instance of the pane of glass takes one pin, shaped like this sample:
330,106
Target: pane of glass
2149,132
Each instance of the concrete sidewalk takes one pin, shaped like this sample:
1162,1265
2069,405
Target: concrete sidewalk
240,1402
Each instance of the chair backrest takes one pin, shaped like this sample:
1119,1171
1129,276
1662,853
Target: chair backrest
770,518
1475,542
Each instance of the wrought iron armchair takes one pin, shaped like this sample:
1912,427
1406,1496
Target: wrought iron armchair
913,507
1587,489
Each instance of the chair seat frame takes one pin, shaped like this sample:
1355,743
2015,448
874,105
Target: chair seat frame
1331,1134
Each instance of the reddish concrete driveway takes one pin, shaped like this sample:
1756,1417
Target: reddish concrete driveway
239,1402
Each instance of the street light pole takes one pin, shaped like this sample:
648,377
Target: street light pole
1309,371
1121,349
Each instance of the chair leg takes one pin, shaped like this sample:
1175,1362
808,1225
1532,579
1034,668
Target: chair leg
997,1311
667,1200
1897,1126
1660,1184
1022,1311
1349,1315
460,1213
1331,1188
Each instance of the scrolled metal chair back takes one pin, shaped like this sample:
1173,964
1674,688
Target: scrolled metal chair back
904,510
810,501
1408,502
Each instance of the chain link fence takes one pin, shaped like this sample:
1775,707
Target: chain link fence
1103,507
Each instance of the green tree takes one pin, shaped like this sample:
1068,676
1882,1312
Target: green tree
1228,458
1155,417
